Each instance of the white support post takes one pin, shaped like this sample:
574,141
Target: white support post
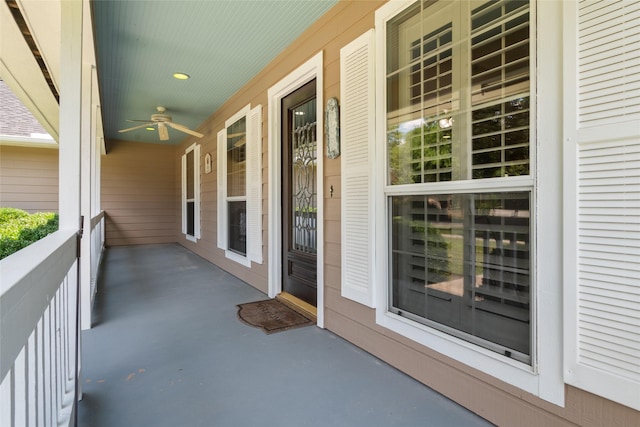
70,136
70,113
86,180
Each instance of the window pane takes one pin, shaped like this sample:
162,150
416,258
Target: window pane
190,218
460,263
457,92
190,176
500,89
236,158
238,227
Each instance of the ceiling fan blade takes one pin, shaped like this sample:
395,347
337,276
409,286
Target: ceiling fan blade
135,120
136,127
162,130
185,129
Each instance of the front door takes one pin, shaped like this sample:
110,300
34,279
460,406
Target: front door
299,208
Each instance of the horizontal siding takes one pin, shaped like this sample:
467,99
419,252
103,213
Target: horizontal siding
138,193
500,403
29,178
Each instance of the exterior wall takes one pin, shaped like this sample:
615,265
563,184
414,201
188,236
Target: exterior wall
494,400
138,193
29,178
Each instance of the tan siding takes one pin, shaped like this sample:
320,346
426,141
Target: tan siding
139,194
29,178
500,403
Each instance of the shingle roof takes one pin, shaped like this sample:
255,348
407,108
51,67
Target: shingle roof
15,118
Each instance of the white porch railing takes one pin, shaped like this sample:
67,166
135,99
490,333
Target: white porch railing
97,246
38,327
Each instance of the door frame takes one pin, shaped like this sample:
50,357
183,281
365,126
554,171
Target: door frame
312,69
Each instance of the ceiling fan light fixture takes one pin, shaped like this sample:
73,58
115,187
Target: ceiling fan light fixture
181,76
149,128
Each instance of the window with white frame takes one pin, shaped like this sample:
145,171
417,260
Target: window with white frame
240,186
459,189
191,193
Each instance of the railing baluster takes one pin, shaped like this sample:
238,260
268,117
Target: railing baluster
31,379
19,390
48,386
39,352
56,354
38,363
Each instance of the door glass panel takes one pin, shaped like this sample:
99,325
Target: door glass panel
303,182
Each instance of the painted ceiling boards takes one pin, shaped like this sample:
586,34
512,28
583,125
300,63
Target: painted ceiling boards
220,44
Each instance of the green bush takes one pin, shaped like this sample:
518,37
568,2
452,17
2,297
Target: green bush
11,214
19,229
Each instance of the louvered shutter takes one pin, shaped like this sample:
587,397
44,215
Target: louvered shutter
357,129
603,305
254,185
222,186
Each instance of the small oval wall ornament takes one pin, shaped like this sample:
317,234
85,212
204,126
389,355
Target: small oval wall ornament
332,128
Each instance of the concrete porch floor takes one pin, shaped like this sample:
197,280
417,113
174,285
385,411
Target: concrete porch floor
167,349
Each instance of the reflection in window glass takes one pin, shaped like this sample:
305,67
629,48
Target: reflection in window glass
458,106
236,158
461,263
238,227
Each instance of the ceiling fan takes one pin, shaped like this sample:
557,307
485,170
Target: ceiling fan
162,120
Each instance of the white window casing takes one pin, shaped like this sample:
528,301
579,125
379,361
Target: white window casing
183,199
542,376
357,128
253,190
195,148
602,216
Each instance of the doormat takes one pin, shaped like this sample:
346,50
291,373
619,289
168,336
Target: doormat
271,316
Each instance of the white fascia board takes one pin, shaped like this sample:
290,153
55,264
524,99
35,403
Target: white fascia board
24,141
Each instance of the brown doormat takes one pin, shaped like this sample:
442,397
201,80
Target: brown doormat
271,316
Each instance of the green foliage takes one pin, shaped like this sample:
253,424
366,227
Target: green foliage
19,229
11,214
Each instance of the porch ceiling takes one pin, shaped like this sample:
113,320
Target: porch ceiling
220,44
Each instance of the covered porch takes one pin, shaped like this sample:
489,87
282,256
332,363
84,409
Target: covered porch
167,349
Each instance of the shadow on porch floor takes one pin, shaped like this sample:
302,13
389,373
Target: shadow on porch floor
167,349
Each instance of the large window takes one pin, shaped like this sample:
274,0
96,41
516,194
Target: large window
240,186
191,193
458,187
236,185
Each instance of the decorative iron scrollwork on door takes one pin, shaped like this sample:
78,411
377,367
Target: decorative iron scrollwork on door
304,152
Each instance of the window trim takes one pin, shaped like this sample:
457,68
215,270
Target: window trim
223,214
544,377
195,148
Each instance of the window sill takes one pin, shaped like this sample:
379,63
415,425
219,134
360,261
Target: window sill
243,260
504,369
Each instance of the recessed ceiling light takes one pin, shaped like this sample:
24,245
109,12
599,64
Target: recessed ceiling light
181,76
